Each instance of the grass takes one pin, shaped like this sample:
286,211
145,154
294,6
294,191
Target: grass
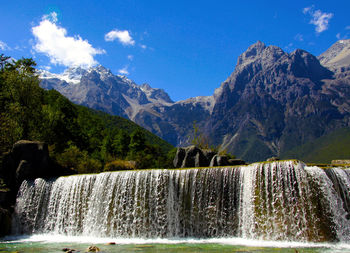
323,150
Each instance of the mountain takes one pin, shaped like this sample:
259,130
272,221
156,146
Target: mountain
149,107
337,57
273,101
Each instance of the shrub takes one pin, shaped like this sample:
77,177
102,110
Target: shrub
120,165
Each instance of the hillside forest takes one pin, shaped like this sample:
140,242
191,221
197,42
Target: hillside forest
79,138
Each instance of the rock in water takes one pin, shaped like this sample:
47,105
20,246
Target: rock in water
93,249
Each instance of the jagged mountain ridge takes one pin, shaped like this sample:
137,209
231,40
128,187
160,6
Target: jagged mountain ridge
149,107
275,101
272,102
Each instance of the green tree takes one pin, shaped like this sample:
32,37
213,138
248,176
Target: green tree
137,143
20,101
120,145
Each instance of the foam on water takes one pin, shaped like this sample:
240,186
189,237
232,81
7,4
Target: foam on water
234,241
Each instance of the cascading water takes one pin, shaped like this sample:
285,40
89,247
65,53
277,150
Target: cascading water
271,201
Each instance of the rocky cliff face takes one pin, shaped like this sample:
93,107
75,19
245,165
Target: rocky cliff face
273,101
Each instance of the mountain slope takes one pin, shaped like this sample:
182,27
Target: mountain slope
271,103
275,101
151,108
337,57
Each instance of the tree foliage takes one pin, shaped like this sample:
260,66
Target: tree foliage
78,137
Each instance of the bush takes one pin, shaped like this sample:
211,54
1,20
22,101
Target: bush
120,165
74,158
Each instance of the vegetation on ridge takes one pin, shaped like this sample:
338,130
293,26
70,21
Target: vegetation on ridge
78,137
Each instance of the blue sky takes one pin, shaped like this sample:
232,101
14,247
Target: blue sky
185,47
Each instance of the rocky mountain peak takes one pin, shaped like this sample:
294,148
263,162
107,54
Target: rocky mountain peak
251,53
337,56
304,64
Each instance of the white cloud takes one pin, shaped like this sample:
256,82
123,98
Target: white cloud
338,36
318,18
143,46
52,40
4,46
130,57
299,37
123,37
307,9
124,71
52,17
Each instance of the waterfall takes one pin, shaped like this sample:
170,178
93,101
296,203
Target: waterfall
270,201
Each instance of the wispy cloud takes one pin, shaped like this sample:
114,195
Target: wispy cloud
4,46
124,70
123,37
52,40
318,18
143,46
299,37
347,28
130,57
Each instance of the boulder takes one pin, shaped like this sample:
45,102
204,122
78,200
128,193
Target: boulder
5,222
194,157
93,249
179,157
29,160
219,160
209,154
190,157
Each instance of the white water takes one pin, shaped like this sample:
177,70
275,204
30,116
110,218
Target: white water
234,241
280,201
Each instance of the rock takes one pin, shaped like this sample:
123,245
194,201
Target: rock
111,243
36,153
27,160
68,250
272,159
236,162
179,157
5,196
209,154
194,157
219,160
5,222
93,249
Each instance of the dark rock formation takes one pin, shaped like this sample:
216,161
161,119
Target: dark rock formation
179,157
195,157
5,222
27,160
219,160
